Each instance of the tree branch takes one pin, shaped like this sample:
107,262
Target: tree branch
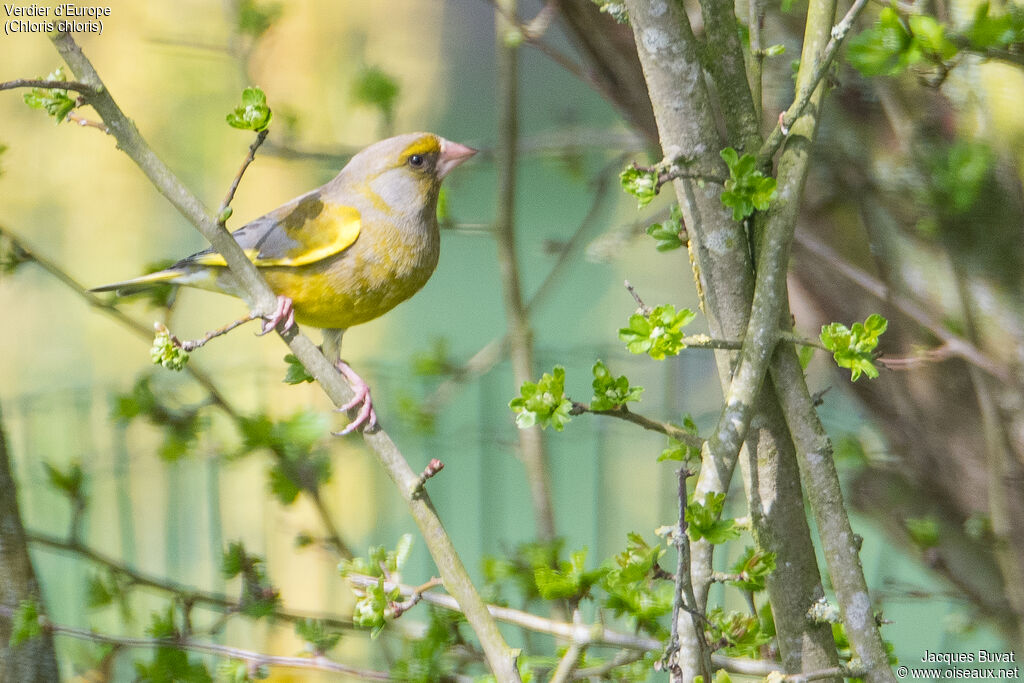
259,296
316,663
624,413
83,88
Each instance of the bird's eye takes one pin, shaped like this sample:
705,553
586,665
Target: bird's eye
417,160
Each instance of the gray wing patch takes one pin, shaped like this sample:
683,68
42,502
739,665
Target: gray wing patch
272,234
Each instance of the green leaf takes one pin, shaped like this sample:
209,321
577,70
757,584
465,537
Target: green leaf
886,49
318,635
931,36
253,113
999,30
677,450
775,50
374,87
747,188
233,560
371,606
658,334
853,348
642,184
543,402
380,561
702,520
69,483
611,392
54,101
616,10
752,569
25,623
669,234
740,633
256,19
570,581
924,531
958,174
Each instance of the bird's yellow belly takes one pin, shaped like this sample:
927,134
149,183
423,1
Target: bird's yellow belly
329,299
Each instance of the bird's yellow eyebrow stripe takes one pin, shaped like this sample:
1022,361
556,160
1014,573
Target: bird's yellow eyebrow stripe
425,145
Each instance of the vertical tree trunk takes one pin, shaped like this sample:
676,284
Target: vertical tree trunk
33,660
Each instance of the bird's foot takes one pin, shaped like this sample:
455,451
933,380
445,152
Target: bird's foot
284,316
367,417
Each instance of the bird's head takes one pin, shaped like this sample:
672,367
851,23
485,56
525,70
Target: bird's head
403,174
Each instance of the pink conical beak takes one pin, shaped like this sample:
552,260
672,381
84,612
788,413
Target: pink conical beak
452,154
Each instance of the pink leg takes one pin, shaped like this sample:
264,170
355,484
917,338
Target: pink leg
366,418
284,314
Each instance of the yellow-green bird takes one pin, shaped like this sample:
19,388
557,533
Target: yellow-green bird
343,254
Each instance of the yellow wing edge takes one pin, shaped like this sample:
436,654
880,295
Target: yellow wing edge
345,222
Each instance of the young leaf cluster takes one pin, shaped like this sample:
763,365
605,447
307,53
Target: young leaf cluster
668,234
853,348
679,451
736,633
610,392
25,623
301,461
659,333
570,581
54,101
168,662
747,189
166,353
181,425
641,183
633,589
296,372
318,636
543,402
259,597
703,520
751,570
253,114
896,43
373,603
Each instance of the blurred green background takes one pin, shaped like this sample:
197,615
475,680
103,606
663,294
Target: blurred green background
174,68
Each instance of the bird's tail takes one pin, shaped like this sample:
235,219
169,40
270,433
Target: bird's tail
163,277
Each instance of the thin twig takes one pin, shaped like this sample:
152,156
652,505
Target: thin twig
83,88
318,663
399,608
624,413
89,123
803,97
249,158
193,344
685,598
567,664
431,470
644,308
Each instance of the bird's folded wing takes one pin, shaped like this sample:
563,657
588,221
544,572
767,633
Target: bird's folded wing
304,231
